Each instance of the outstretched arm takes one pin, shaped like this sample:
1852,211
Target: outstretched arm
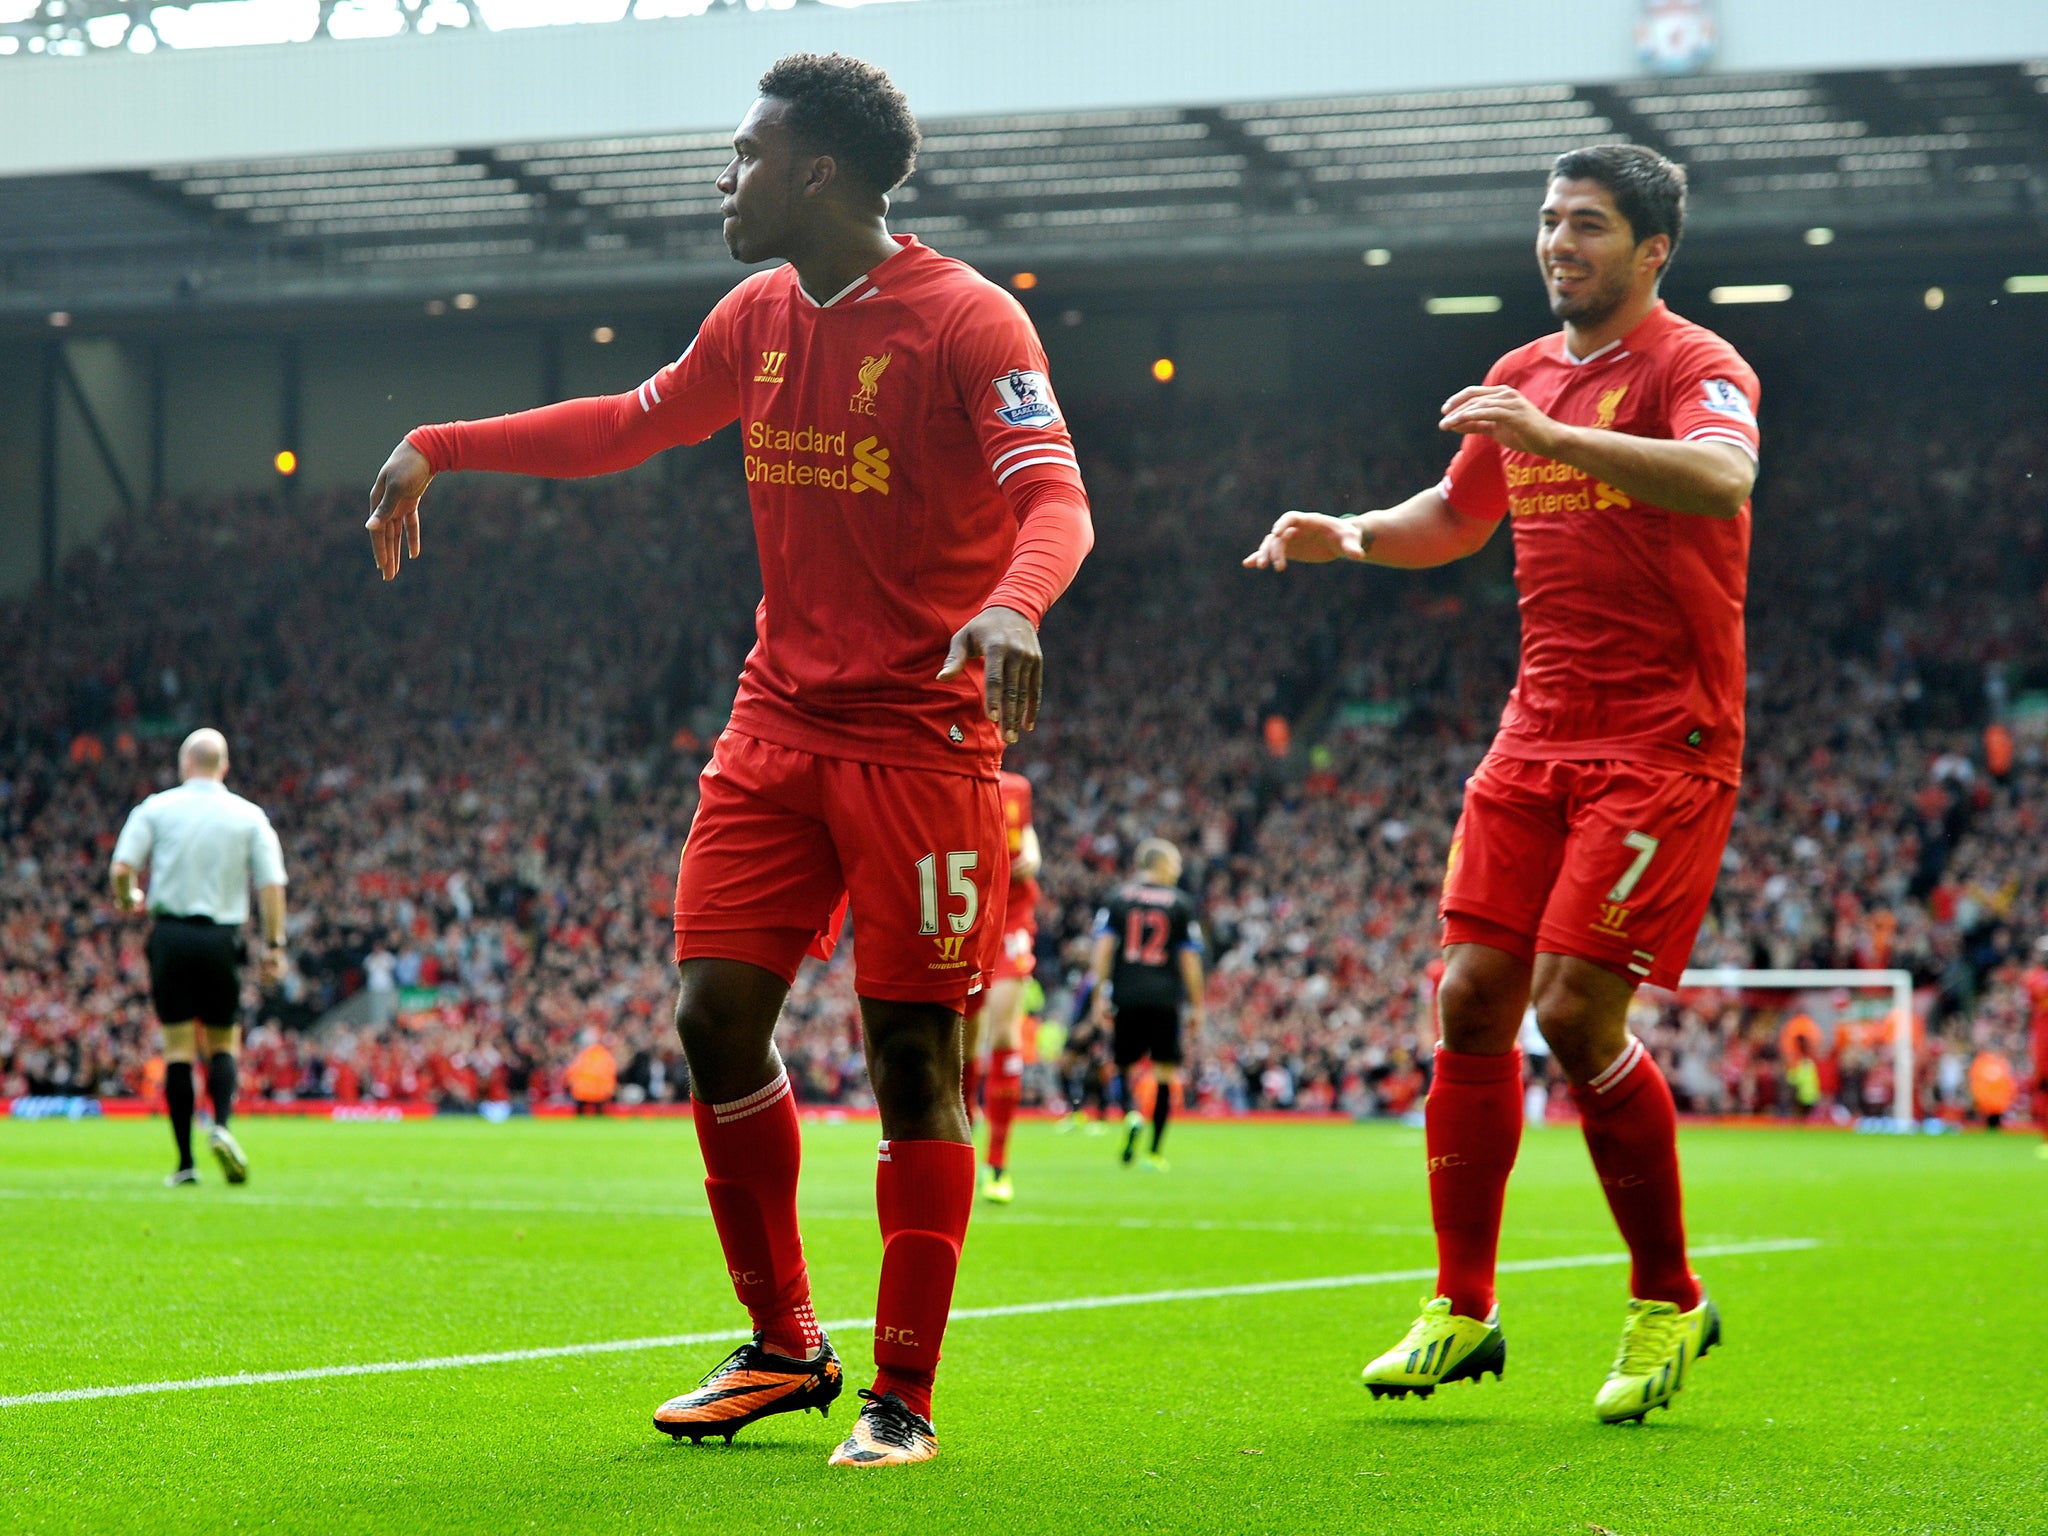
1423,531
684,403
575,438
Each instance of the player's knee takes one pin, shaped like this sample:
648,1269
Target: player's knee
701,1030
1580,1013
912,1070
1477,1011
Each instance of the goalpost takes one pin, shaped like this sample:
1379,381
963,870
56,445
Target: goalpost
1900,983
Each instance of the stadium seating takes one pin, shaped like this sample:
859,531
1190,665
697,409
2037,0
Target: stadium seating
483,772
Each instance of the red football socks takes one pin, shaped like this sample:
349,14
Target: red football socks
752,1149
1632,1131
924,1191
1005,1090
970,1085
1473,1121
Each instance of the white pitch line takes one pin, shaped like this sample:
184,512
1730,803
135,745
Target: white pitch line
847,1324
567,1208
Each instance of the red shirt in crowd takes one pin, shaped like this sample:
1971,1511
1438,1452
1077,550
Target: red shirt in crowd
2035,980
1016,792
907,465
1632,641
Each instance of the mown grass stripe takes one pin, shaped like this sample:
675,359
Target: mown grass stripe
725,1336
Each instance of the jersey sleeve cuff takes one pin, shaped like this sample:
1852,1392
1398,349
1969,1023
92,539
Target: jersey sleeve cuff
1445,490
432,446
1719,435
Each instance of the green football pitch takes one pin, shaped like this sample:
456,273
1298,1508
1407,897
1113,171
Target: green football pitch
1135,1351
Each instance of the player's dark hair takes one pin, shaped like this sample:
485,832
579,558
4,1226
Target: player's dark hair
848,109
1648,190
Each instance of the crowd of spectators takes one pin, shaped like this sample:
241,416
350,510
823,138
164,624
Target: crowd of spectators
484,771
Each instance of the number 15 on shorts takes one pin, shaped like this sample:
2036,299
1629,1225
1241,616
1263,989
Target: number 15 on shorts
959,866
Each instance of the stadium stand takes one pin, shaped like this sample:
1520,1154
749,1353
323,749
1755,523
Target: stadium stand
483,774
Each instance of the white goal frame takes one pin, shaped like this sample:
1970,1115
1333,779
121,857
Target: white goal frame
1900,982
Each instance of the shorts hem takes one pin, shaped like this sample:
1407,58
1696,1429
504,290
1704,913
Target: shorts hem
1630,967
741,944
1493,928
960,992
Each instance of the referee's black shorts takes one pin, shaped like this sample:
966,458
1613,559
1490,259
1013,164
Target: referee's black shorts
1143,1031
195,971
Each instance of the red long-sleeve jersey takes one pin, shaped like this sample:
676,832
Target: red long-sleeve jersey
1632,640
907,466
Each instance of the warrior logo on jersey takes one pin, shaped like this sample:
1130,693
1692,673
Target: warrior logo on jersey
1729,401
871,370
772,364
1027,399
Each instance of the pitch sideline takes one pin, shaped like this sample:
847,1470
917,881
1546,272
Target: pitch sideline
847,1324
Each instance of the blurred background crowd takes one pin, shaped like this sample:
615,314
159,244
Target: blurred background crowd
483,773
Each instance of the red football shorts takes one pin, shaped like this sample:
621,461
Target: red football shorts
783,840
1611,862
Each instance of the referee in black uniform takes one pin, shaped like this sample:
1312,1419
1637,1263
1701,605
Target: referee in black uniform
1147,962
204,846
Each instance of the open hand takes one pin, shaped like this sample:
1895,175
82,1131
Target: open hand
1309,537
395,508
1013,667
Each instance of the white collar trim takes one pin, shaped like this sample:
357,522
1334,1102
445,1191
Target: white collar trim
1591,357
842,293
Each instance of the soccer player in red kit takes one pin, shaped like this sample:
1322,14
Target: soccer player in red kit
1623,451
918,506
1002,999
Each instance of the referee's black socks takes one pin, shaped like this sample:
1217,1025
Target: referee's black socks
178,1100
220,1087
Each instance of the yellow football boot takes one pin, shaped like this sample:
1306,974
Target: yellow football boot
1441,1347
1658,1346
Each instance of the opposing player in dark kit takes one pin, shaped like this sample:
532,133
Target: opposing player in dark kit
1147,963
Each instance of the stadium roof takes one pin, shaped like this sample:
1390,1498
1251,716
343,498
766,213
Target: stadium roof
74,28
1961,152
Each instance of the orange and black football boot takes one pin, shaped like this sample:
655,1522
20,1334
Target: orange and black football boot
749,1384
887,1434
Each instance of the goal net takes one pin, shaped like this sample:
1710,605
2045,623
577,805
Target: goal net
1799,1038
